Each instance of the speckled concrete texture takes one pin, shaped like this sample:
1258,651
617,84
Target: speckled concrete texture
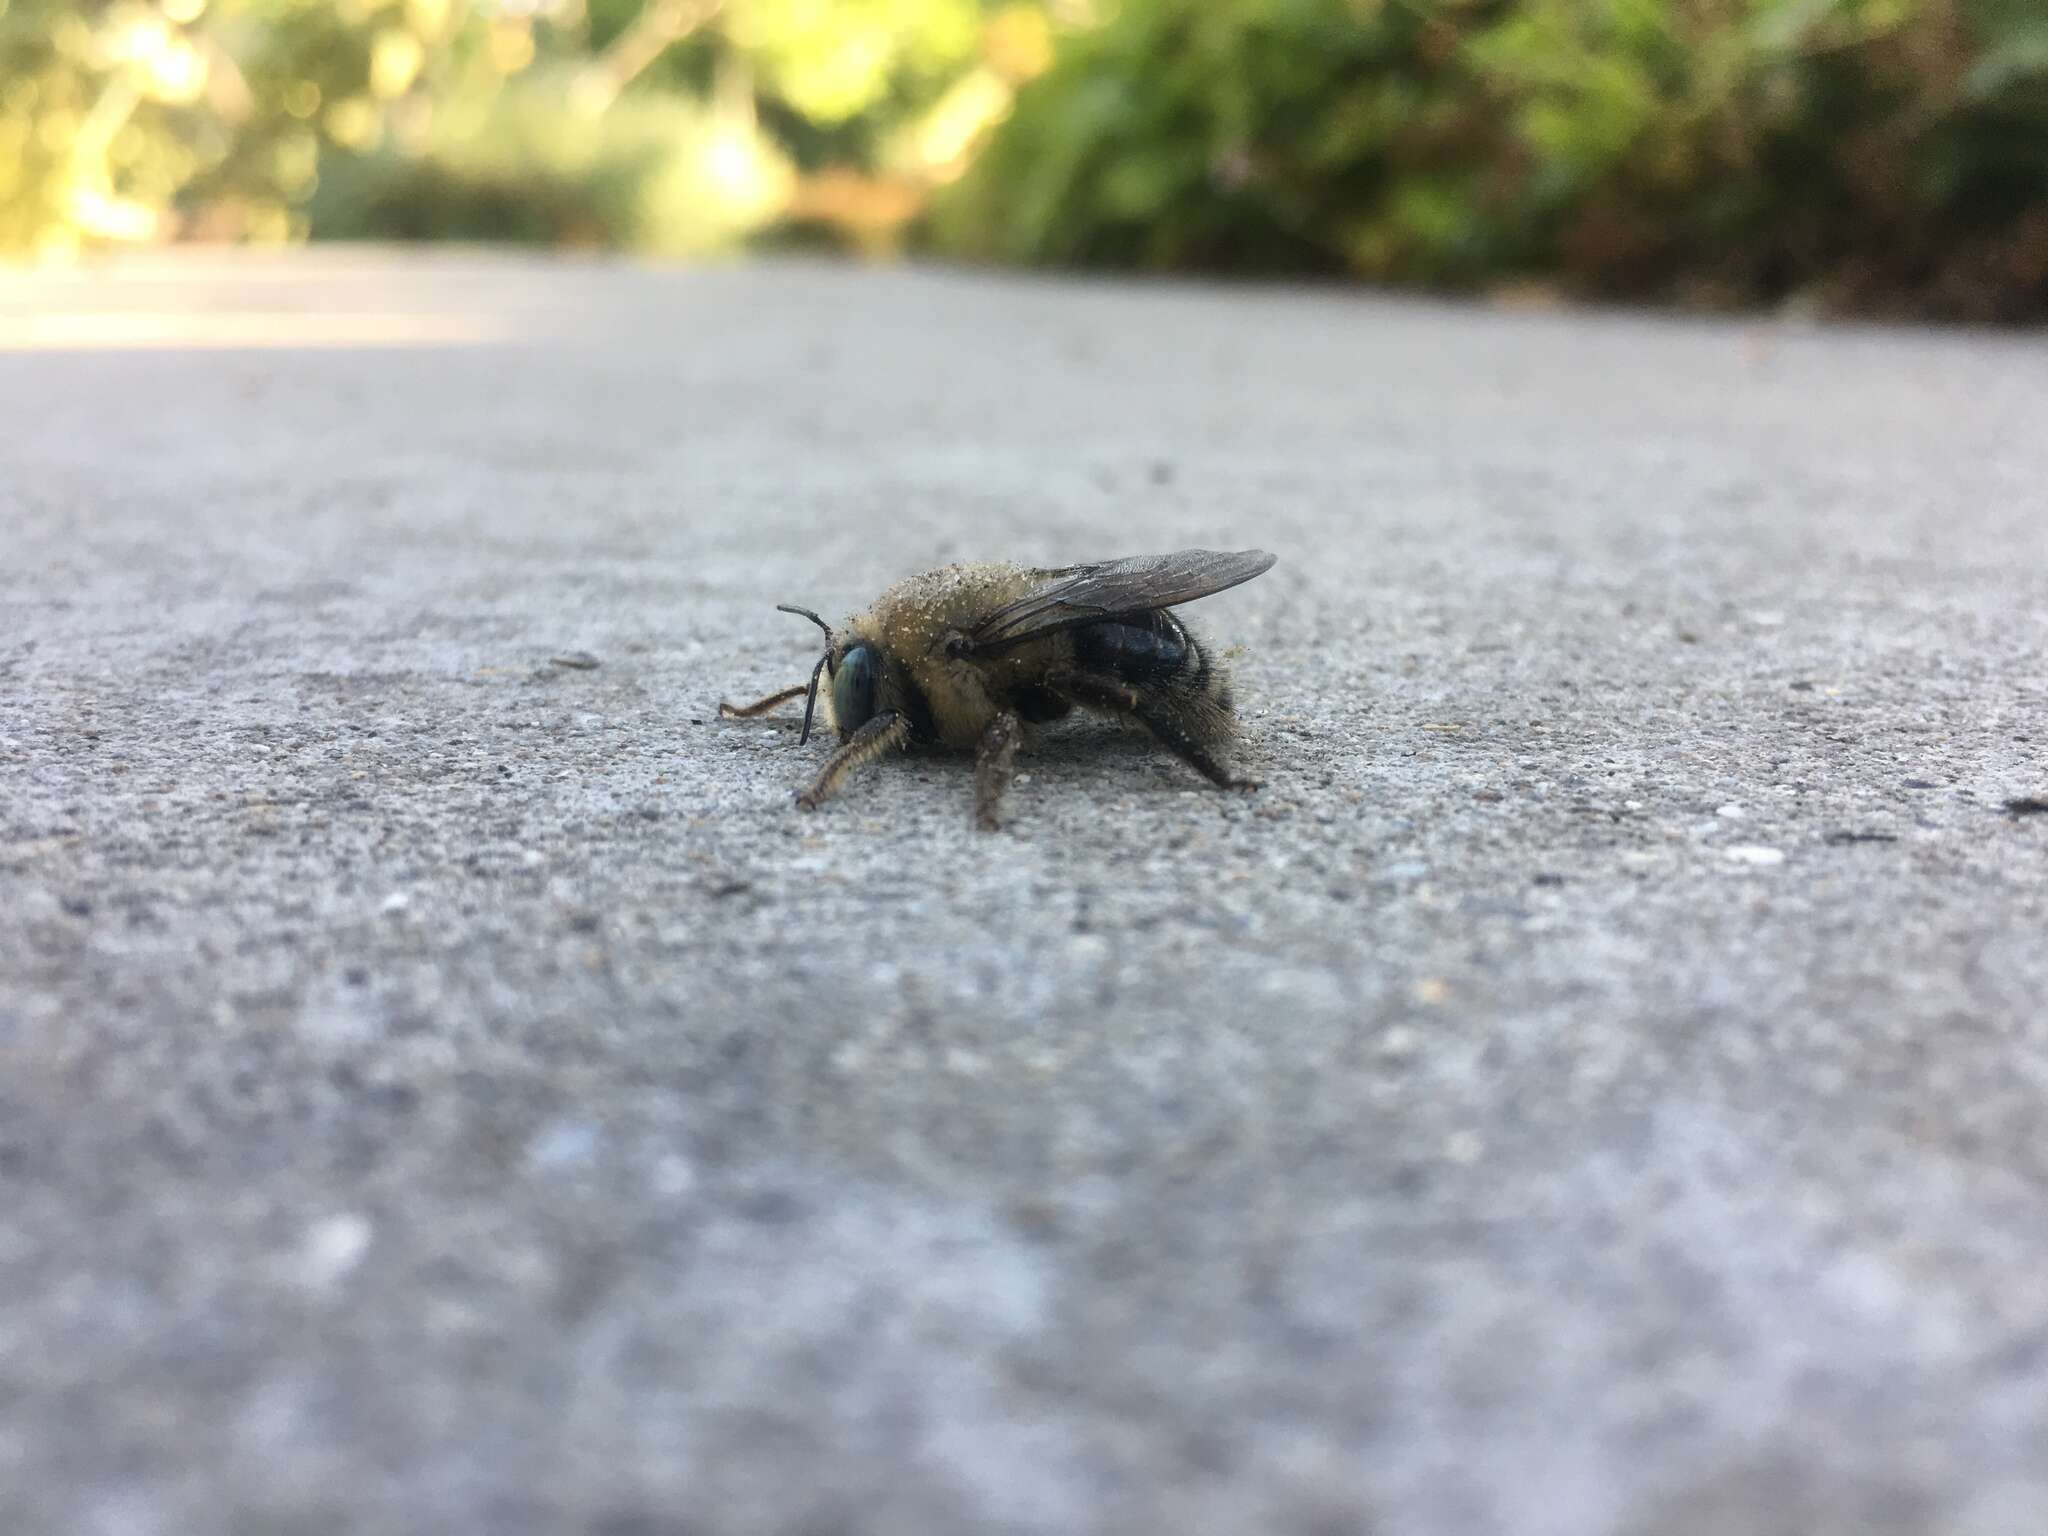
1599,1087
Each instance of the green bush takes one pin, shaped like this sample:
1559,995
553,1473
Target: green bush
656,173
660,125
1262,135
1862,153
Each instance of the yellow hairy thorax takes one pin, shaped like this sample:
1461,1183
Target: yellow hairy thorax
911,622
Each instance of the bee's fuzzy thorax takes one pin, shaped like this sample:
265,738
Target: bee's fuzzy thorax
956,698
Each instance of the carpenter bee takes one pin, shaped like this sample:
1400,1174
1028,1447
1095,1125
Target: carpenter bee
970,656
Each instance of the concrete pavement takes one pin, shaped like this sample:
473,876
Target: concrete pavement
1599,1085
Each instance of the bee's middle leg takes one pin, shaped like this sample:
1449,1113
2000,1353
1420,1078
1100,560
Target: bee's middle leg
1155,716
995,761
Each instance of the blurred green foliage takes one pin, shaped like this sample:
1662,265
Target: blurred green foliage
1869,154
664,125
654,172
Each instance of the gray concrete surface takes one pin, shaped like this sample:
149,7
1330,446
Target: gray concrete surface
1599,1086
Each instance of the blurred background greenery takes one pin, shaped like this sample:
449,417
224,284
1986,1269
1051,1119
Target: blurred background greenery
1882,156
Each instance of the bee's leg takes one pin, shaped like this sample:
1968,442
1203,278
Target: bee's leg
1108,693
994,761
885,733
760,706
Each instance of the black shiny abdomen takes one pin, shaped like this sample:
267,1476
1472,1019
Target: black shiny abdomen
1140,649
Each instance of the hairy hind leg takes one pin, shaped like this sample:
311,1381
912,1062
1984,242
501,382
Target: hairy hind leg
760,706
1155,716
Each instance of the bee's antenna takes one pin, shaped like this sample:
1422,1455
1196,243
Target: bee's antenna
825,662
811,696
831,643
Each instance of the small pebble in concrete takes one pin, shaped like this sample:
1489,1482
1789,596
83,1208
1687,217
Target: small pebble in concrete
1751,853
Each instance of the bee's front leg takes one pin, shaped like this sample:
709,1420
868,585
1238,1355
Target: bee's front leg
995,760
884,733
759,706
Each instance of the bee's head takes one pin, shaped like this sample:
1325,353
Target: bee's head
855,681
855,670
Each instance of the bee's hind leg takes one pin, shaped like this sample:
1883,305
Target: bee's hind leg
885,733
760,706
995,761
1155,716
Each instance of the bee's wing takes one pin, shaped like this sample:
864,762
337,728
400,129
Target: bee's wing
1082,594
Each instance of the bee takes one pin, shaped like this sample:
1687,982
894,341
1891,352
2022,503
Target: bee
972,656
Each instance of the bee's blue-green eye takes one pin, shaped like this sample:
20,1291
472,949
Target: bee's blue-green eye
853,688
